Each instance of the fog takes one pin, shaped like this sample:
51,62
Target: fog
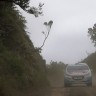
68,40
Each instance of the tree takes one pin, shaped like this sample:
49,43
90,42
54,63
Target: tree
92,34
24,4
48,26
36,11
46,34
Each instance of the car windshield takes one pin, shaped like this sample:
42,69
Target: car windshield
77,68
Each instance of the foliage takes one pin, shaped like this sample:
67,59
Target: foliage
21,69
24,4
92,33
55,68
36,11
55,73
90,60
48,26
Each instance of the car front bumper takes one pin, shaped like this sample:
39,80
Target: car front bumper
71,81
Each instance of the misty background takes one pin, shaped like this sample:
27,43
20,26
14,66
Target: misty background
68,40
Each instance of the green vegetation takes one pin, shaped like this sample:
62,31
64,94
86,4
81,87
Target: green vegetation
55,72
24,4
23,71
22,68
91,61
92,34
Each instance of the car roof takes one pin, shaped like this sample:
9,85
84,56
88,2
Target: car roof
81,64
78,64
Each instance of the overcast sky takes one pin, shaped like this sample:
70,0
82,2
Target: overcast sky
68,40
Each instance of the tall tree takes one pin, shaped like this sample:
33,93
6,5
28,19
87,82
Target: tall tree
92,34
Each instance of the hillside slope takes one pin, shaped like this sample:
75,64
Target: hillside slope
21,65
91,61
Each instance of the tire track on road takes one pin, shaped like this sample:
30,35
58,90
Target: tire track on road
59,91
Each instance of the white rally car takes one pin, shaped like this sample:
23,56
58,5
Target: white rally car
77,74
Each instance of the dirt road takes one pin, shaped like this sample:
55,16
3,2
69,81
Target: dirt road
59,90
74,91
